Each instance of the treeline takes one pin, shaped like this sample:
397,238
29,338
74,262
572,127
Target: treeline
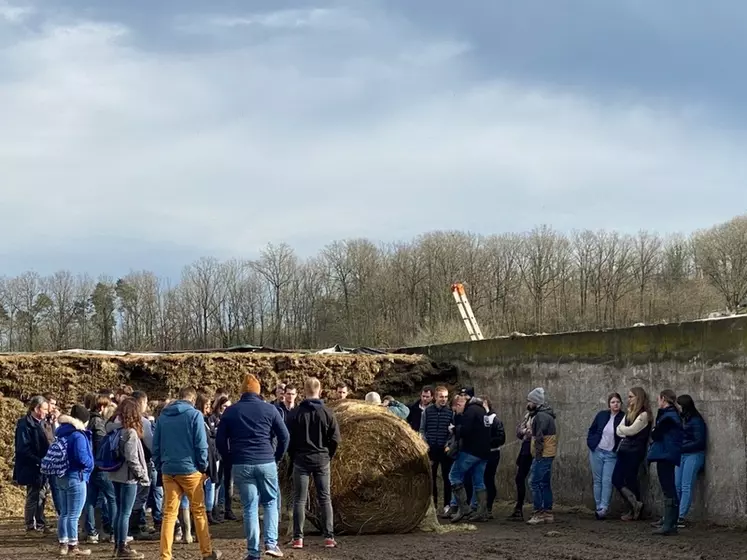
357,292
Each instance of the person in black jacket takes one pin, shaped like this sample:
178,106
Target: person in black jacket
417,408
497,439
602,441
31,444
473,435
694,444
99,484
434,429
203,405
314,437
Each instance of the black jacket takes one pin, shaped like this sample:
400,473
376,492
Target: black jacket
415,416
473,433
97,426
314,434
434,425
31,444
211,430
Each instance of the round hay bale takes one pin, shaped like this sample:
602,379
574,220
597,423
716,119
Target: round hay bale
380,475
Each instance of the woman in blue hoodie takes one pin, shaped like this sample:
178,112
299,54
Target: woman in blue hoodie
72,485
602,441
666,452
694,443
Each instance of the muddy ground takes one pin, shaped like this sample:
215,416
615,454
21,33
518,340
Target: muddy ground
573,537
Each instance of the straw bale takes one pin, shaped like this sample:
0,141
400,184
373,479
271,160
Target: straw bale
380,475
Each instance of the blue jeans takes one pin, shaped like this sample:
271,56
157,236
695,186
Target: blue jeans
468,465
602,466
155,497
258,484
72,496
55,491
99,485
541,483
209,495
125,500
684,479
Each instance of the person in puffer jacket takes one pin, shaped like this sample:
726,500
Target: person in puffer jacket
666,452
497,439
72,485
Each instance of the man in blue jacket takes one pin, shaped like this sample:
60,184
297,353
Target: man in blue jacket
180,453
245,435
31,444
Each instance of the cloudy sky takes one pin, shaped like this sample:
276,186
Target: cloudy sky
138,134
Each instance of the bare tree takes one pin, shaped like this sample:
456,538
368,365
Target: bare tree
277,264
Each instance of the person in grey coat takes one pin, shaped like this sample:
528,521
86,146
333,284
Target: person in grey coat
132,474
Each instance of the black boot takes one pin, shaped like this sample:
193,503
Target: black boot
460,493
671,511
517,515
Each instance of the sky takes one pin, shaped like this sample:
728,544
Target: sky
145,135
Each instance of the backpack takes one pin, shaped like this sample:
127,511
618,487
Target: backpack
108,456
55,462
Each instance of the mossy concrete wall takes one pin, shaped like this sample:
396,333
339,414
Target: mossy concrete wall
706,359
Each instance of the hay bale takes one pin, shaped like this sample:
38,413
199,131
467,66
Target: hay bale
380,475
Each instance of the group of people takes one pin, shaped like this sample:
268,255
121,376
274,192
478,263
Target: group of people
464,438
109,455
620,441
182,462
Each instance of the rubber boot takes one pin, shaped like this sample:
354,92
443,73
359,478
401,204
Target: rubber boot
460,493
671,511
186,523
481,514
637,507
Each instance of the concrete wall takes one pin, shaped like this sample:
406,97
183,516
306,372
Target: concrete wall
707,359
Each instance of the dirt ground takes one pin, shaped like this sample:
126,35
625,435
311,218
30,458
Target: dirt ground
573,537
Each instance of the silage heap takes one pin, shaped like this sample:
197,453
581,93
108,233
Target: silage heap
71,376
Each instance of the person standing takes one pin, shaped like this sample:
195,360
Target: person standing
634,431
694,444
202,404
434,429
138,521
473,437
666,452
497,439
419,406
31,445
523,465
314,438
602,441
132,473
544,447
245,435
99,483
72,484
180,453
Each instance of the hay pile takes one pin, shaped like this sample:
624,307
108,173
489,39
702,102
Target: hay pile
380,475
70,376
12,498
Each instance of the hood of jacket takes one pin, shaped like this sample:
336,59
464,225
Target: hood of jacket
544,408
177,407
68,425
311,403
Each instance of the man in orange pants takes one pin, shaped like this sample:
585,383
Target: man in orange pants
180,453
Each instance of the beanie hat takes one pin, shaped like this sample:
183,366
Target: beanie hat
536,396
251,385
468,392
80,412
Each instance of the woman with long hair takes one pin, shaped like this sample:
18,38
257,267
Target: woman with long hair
223,509
694,443
133,472
666,452
203,405
634,431
602,442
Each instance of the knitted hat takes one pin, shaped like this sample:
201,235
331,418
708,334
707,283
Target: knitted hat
536,396
468,392
80,412
251,385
